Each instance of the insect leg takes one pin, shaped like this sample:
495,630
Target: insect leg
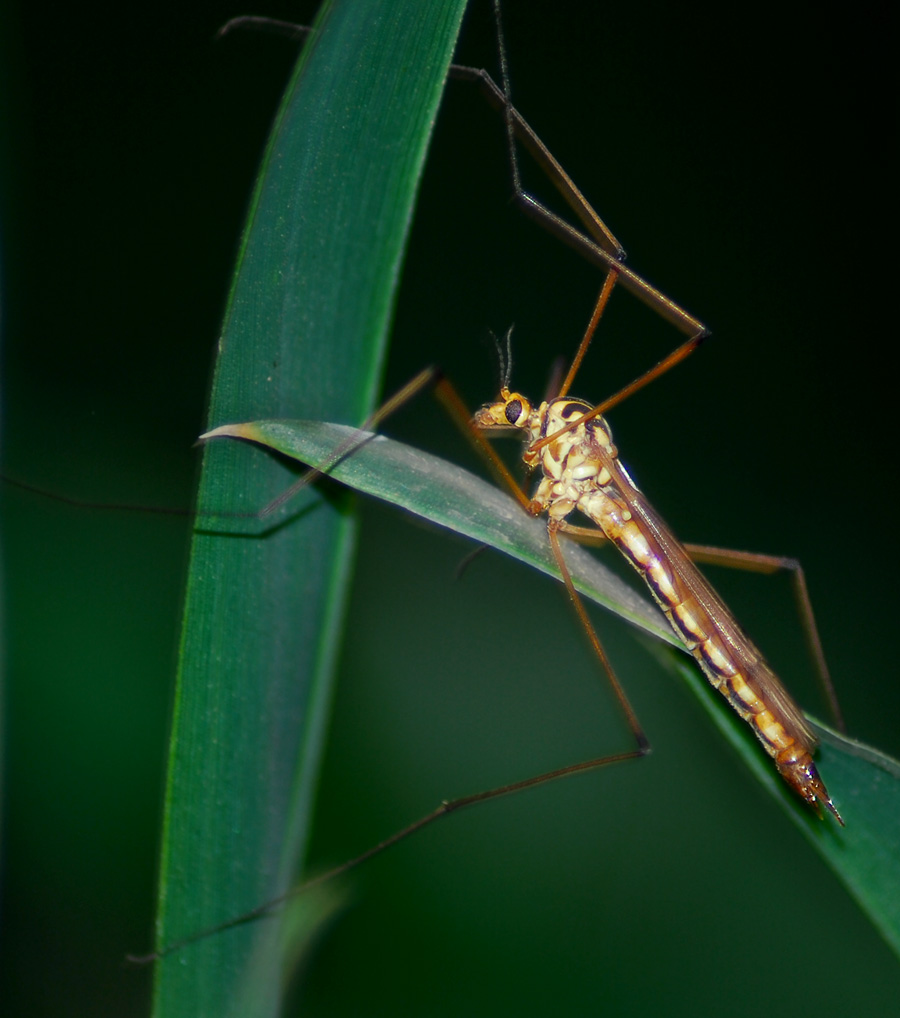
769,564
595,241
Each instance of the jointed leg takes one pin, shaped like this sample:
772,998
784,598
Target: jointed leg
768,564
597,244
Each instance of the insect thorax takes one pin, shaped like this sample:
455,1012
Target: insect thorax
574,464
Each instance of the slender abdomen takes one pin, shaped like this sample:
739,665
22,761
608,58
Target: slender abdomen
730,661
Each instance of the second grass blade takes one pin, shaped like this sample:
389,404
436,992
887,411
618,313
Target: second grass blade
304,332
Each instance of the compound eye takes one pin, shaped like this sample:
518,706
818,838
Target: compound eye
514,411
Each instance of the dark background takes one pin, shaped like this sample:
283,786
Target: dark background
743,162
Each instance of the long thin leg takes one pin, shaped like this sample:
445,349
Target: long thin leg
643,744
597,245
666,364
444,809
81,503
426,377
768,564
596,315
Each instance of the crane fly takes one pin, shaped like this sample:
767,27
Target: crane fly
569,443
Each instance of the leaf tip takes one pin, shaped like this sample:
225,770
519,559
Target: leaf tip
248,431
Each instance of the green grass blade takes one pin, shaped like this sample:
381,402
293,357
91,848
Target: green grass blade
304,332
864,784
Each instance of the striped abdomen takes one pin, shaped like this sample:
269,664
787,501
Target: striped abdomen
700,619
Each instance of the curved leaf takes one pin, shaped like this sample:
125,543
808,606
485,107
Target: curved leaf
864,783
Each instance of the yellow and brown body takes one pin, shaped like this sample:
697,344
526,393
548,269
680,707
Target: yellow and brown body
581,471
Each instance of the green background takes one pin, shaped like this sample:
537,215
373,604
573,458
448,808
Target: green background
744,166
